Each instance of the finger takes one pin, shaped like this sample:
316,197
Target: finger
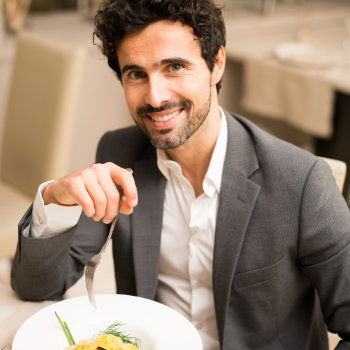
96,193
80,195
110,190
124,178
127,209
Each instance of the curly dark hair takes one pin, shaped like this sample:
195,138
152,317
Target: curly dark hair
115,18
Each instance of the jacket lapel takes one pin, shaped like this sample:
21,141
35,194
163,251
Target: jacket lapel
147,225
237,199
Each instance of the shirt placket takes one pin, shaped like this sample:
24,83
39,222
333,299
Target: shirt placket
195,263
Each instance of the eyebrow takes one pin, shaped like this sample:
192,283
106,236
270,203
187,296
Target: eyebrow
131,67
163,62
178,60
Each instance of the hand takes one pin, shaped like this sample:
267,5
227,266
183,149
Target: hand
94,189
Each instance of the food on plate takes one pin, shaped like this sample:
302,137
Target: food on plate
106,342
113,338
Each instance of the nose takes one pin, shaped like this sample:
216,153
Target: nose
158,91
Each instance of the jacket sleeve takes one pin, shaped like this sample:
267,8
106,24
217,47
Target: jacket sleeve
44,268
324,248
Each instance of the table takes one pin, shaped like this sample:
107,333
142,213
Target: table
14,312
312,100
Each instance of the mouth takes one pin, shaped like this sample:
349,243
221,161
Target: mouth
164,116
165,119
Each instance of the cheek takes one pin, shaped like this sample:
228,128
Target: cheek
198,83
192,88
198,89
133,97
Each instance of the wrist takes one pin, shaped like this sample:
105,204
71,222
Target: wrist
47,195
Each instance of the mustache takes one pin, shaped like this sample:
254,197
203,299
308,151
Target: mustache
148,109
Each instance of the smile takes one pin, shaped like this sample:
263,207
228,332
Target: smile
165,118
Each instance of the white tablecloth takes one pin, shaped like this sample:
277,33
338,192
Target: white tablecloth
301,96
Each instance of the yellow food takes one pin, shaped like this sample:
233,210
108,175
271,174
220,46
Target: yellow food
128,347
106,342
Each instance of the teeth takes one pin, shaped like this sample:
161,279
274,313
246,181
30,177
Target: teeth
165,117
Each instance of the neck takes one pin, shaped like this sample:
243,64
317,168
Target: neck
195,154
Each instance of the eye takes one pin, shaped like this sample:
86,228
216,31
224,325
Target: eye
175,67
136,75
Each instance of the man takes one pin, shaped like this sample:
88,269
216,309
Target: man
244,234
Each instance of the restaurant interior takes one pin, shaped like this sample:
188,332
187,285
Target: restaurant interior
287,70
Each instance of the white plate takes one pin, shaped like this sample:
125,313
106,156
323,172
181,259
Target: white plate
156,325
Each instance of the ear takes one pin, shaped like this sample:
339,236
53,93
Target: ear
219,66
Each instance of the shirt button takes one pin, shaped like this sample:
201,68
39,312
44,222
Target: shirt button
194,241
199,325
198,284
41,221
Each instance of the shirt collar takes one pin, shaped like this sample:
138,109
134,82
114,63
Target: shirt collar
212,179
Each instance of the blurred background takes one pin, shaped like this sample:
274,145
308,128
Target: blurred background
288,70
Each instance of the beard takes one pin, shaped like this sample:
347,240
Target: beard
166,139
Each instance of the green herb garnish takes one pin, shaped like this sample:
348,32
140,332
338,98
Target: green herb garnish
66,330
114,329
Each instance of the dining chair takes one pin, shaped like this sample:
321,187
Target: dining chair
39,119
338,170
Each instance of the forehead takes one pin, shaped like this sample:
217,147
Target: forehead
158,41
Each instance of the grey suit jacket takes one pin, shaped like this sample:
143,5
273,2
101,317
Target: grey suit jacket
281,268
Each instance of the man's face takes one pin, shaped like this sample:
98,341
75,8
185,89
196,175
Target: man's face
167,84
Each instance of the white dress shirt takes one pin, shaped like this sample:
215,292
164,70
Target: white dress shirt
187,243
187,239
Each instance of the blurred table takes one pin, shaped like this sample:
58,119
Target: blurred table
313,98
13,312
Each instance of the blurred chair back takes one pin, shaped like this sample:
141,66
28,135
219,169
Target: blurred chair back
38,127
40,111
338,170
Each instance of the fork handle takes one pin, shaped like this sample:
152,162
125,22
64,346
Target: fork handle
121,195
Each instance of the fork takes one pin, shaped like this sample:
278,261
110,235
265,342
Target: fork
96,259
